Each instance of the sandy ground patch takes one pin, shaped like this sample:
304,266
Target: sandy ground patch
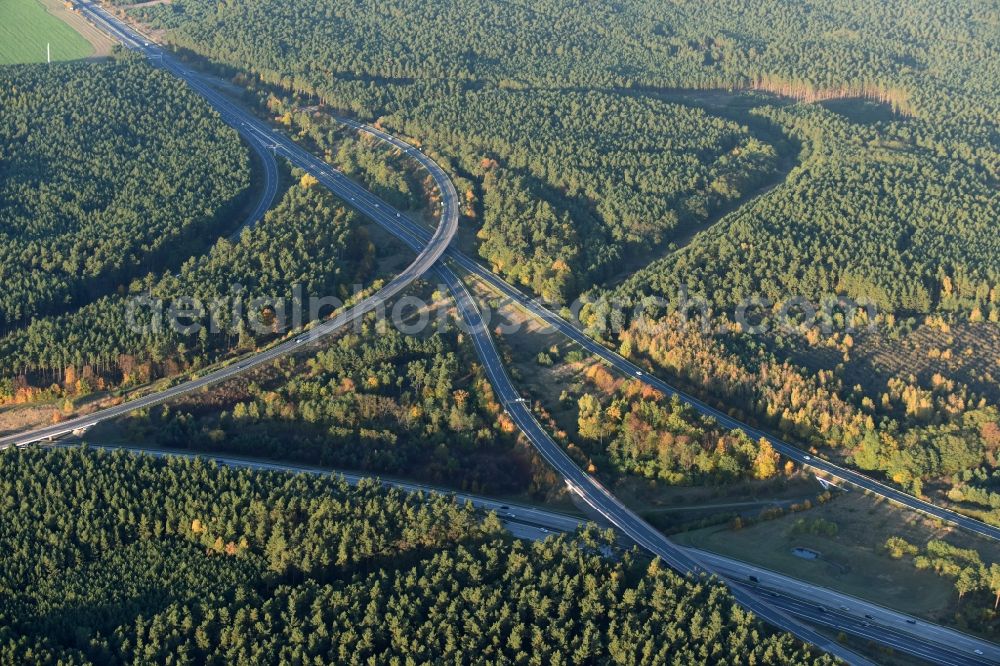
102,43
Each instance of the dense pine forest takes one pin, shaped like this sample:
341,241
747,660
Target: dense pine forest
770,149
441,71
308,240
572,183
596,138
183,561
853,145
97,184
872,213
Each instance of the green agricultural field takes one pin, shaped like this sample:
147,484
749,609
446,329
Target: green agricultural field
25,28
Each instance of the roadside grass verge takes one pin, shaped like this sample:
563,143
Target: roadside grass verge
850,561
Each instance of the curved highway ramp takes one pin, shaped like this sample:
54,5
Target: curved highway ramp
430,248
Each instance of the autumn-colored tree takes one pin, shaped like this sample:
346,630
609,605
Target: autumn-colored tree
69,377
765,465
994,583
590,422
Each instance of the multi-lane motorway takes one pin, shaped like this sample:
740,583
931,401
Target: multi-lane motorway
860,618
262,140
607,505
604,503
837,611
534,307
430,247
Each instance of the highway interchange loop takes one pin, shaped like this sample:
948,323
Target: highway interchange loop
430,248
